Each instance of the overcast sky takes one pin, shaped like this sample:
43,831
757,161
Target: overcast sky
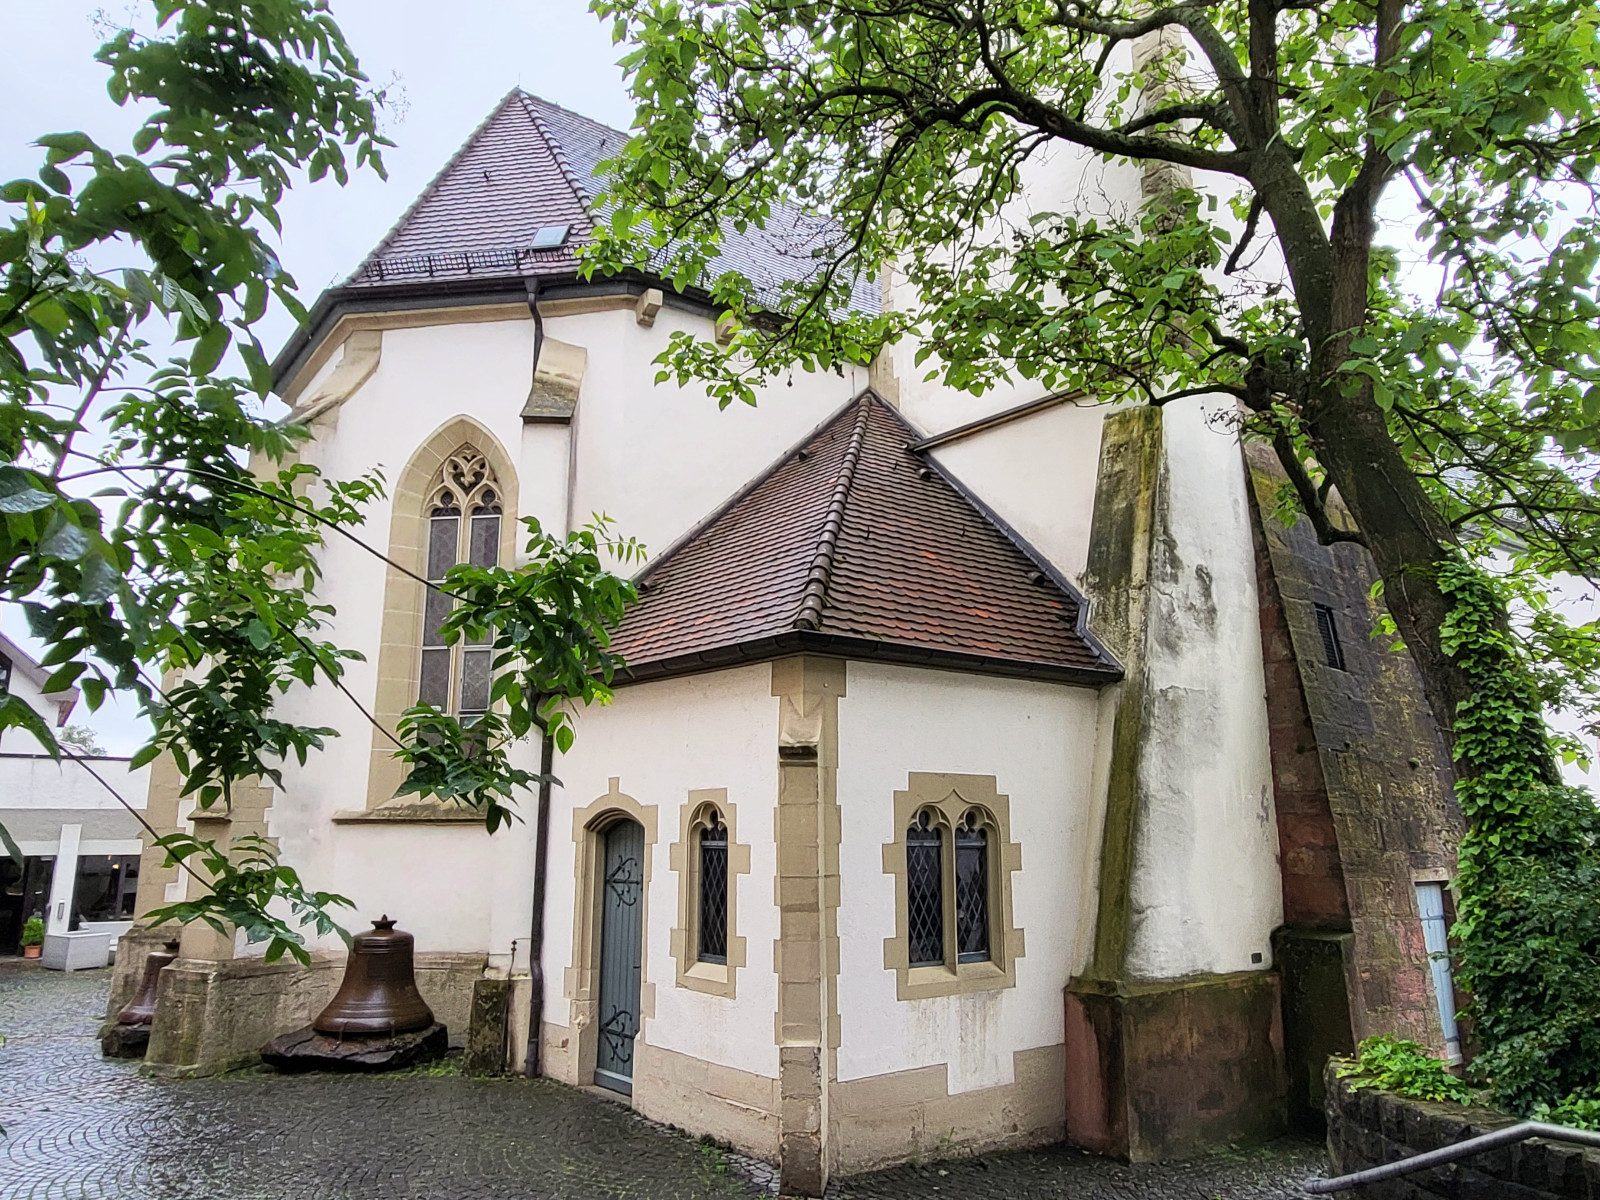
452,61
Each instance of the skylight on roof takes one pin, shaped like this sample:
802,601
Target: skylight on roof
549,237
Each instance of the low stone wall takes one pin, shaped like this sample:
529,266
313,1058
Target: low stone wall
215,1016
1367,1128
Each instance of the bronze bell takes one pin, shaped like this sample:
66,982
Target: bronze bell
379,991
141,1010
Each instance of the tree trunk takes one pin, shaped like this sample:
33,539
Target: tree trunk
1405,533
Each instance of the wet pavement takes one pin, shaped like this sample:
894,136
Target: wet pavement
80,1127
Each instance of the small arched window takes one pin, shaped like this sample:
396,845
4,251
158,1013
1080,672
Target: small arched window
713,916
947,892
925,891
463,527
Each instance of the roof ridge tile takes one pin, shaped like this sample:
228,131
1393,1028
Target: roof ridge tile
816,590
558,152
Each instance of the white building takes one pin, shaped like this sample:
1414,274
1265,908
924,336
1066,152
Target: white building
80,846
943,805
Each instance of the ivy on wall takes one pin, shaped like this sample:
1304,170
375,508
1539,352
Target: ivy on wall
1528,917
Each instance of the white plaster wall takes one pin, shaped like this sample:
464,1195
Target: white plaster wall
1038,740
658,458
1205,892
453,887
660,741
38,781
20,741
1038,474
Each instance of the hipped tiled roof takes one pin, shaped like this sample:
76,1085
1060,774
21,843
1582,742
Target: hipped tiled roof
533,164
851,545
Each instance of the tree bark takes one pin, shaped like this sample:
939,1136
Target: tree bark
1407,537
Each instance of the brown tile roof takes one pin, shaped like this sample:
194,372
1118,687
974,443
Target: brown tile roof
533,164
851,545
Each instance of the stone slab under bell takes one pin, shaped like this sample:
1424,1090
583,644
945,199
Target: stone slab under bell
125,1041
307,1050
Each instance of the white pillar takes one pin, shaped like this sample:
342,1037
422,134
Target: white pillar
63,880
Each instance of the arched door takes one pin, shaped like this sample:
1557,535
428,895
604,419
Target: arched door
621,935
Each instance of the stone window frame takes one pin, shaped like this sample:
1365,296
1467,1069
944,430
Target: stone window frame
581,980
464,483
400,639
948,798
711,979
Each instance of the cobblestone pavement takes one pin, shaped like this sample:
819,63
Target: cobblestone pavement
79,1127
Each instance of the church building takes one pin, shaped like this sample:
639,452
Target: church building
986,771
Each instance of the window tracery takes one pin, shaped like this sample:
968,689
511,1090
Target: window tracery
953,861
464,515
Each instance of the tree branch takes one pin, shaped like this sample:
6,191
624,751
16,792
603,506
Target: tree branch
1327,532
1250,223
1198,110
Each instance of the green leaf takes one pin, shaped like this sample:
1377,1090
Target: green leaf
66,542
18,493
209,349
99,580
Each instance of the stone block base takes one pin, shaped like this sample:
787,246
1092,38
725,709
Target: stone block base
127,965
214,1016
124,1041
1172,1069
487,1035
307,1050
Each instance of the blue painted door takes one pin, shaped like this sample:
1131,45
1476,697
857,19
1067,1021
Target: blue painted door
621,939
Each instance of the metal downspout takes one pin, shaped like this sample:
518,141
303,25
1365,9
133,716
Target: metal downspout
541,863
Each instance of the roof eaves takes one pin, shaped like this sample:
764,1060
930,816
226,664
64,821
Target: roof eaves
806,641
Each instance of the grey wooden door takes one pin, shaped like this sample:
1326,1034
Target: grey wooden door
621,936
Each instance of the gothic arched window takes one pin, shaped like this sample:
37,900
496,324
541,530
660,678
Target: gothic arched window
463,527
713,915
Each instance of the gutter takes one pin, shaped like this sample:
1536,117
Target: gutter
424,294
806,641
995,420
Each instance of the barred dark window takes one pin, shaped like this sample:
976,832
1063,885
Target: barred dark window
925,893
972,892
1328,628
714,892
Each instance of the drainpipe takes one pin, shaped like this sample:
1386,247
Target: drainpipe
541,824
541,864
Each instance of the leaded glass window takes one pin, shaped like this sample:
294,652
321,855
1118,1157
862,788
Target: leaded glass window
925,893
463,527
714,891
972,891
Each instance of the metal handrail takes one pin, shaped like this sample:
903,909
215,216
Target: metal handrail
1447,1154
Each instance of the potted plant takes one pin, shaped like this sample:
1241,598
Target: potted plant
32,937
